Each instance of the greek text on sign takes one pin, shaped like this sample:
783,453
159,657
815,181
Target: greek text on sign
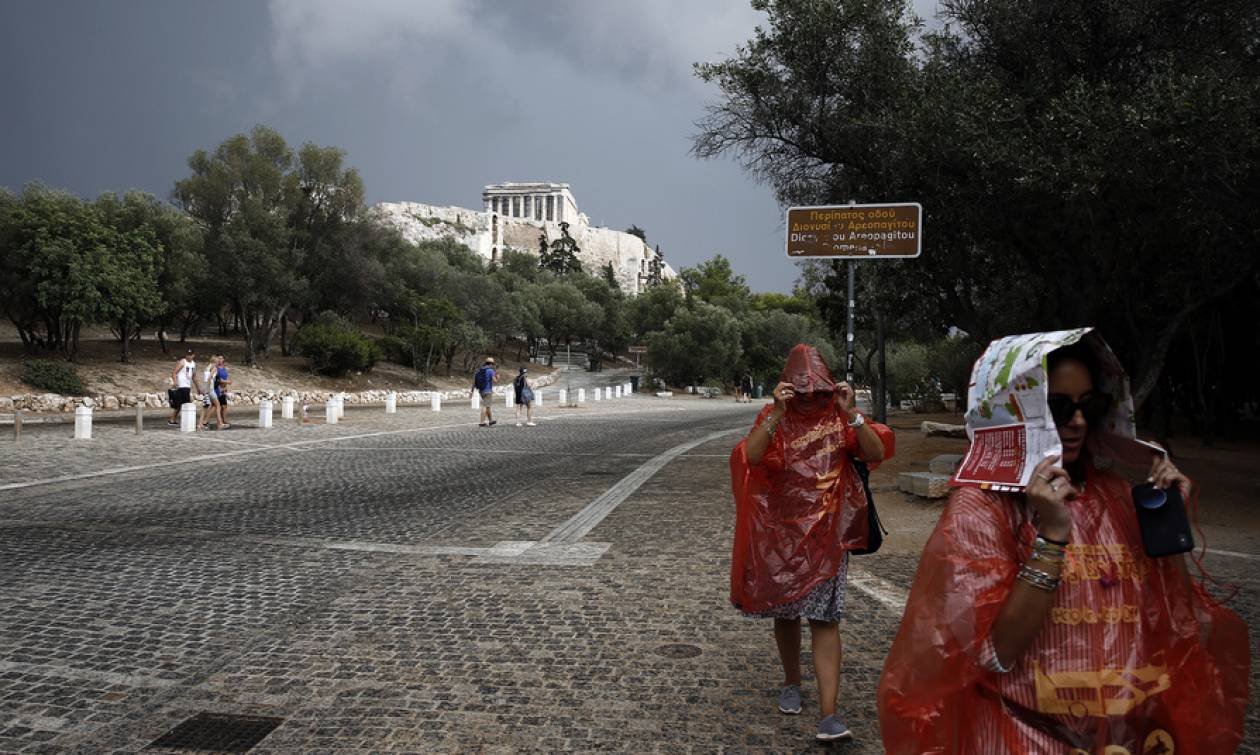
855,230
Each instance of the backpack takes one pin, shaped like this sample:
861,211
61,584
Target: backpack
481,381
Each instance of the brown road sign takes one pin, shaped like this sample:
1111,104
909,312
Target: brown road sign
637,349
855,231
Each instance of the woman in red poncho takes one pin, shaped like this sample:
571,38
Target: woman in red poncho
800,509
1038,624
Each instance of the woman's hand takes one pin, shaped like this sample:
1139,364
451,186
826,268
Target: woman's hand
1165,474
844,399
1048,491
783,393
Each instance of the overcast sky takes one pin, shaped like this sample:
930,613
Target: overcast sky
430,99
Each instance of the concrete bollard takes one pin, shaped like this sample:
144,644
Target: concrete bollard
627,389
608,393
476,400
188,418
538,399
564,395
617,392
17,426
264,413
330,411
581,396
391,403
341,406
139,418
286,407
599,394
435,402
83,423
507,398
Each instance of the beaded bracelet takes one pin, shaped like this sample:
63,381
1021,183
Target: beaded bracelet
770,426
1038,579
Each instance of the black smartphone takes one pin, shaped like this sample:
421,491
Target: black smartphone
1162,517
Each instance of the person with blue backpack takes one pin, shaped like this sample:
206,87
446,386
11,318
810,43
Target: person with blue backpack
483,383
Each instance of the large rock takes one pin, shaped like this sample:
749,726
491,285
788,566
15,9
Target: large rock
945,464
942,430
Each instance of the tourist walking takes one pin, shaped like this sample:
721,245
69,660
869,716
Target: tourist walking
745,388
524,398
800,508
184,378
222,385
209,399
1037,622
483,385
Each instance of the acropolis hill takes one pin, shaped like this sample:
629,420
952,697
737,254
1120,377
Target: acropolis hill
515,215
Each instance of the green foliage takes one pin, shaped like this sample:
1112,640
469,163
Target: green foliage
1082,163
767,337
560,256
714,282
66,263
635,230
53,375
395,349
269,217
333,346
650,310
697,344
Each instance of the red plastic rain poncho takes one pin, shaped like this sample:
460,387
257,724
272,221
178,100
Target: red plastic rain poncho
1131,659
803,505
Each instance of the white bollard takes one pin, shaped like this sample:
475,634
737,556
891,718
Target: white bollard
341,406
538,399
599,394
476,400
617,392
83,423
435,402
581,395
391,403
507,398
626,390
563,396
286,407
330,411
608,393
264,413
188,418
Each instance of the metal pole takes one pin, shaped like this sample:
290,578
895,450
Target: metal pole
848,362
139,418
17,426
568,368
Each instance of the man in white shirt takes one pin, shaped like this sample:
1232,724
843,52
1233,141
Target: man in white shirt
185,379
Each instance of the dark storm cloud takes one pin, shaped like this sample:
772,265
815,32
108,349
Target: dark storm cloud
431,100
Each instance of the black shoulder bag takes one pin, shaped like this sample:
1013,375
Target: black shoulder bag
874,527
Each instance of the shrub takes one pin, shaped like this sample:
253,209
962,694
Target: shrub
395,349
53,375
333,346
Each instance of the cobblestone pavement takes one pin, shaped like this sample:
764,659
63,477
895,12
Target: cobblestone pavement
408,583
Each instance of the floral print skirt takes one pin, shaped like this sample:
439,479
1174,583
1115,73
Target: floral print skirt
823,603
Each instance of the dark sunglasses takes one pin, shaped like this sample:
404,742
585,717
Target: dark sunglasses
1093,408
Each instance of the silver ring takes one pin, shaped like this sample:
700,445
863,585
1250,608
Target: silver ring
1044,476
1055,486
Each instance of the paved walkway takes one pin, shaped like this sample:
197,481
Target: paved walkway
410,583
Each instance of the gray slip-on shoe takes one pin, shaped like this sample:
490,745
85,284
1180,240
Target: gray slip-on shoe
790,699
832,728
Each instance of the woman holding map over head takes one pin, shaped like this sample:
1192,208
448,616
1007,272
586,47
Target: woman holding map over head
1037,622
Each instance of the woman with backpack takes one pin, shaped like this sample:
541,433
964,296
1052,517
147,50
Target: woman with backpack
524,397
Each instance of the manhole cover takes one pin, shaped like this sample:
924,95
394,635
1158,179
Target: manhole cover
217,732
678,651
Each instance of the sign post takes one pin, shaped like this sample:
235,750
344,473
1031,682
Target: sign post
636,350
855,232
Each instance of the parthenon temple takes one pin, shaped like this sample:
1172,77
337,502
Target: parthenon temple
514,216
